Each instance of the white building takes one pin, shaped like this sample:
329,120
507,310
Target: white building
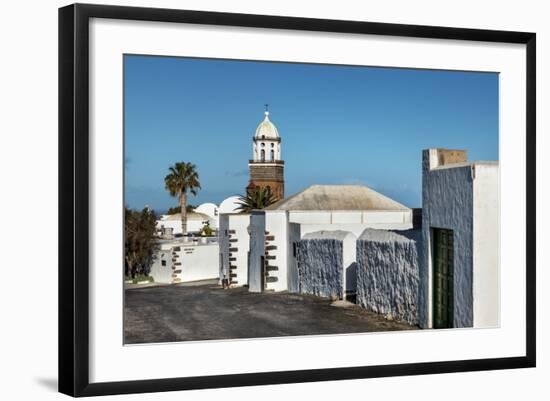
277,228
459,282
195,222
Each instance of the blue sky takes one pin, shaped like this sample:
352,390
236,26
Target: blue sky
338,124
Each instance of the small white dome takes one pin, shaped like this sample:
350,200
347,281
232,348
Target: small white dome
266,129
209,209
230,205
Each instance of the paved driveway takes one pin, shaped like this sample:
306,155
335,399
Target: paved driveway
206,312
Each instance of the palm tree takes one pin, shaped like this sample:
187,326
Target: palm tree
183,177
256,198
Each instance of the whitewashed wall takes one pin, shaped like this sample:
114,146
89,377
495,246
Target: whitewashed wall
257,251
294,235
276,227
160,273
185,262
486,244
198,262
320,261
447,202
388,266
234,246
382,219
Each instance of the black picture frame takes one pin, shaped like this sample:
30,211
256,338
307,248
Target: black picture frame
74,198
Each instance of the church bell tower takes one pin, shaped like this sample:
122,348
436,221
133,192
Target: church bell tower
266,167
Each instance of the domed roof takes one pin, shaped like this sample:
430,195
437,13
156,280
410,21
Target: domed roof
229,205
266,129
209,209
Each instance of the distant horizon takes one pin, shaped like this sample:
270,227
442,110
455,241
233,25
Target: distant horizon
338,124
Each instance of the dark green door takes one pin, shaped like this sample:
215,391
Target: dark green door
443,253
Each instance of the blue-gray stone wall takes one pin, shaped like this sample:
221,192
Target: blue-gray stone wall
388,265
447,202
319,259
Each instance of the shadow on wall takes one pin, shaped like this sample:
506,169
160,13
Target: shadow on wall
351,282
49,383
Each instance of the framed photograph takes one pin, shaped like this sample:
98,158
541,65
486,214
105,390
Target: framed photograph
251,199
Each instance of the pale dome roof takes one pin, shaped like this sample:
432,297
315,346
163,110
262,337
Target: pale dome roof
266,129
230,205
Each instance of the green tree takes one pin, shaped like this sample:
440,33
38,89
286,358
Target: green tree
139,241
183,178
257,198
177,209
206,230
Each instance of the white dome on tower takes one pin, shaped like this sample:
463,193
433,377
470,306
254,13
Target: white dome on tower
266,129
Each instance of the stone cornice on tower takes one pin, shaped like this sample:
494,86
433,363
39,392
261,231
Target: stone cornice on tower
281,162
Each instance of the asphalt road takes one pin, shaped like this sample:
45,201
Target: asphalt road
207,312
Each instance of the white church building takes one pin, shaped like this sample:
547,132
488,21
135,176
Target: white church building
257,249
349,208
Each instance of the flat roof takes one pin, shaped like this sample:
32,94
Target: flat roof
467,164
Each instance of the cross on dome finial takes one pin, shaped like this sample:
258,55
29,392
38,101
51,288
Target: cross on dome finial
266,112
